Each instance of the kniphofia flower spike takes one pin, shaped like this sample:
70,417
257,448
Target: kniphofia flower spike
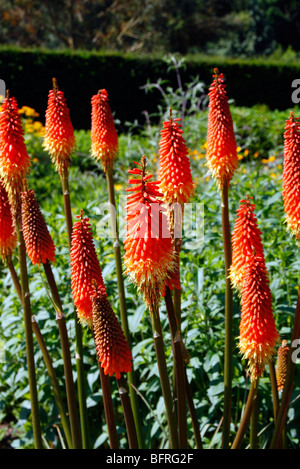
8,236
103,132
258,335
149,257
112,347
39,244
246,239
281,366
59,138
85,269
176,183
14,159
221,151
291,175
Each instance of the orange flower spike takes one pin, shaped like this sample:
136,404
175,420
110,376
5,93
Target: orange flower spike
281,366
85,269
149,258
8,236
291,175
38,242
112,347
104,136
174,166
59,138
14,159
258,334
246,239
221,151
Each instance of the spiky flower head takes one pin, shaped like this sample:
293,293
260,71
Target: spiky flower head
39,244
104,136
291,175
221,151
85,269
258,335
8,236
112,347
59,138
149,257
246,240
281,366
14,159
176,183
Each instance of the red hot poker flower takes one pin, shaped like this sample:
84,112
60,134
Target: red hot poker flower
103,132
258,334
281,366
246,240
149,257
8,236
291,175
85,269
38,242
59,138
221,151
174,175
14,159
112,347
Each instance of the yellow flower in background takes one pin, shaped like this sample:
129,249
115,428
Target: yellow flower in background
246,152
256,154
28,111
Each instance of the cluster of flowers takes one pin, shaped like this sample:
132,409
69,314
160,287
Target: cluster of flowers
149,257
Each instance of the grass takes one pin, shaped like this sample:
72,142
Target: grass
259,135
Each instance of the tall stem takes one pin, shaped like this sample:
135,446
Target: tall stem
46,356
164,377
70,388
252,396
108,409
228,317
78,327
29,339
127,410
122,303
54,383
288,386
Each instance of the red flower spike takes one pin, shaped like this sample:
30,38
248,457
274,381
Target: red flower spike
38,242
246,240
85,269
103,132
14,159
8,236
174,166
221,151
149,257
281,366
112,347
59,138
291,175
258,334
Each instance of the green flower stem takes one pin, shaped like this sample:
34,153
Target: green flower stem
29,339
252,396
78,327
54,383
180,372
127,410
288,385
68,373
122,303
164,378
46,356
108,409
228,318
254,426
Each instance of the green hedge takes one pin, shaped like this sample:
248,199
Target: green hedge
28,74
